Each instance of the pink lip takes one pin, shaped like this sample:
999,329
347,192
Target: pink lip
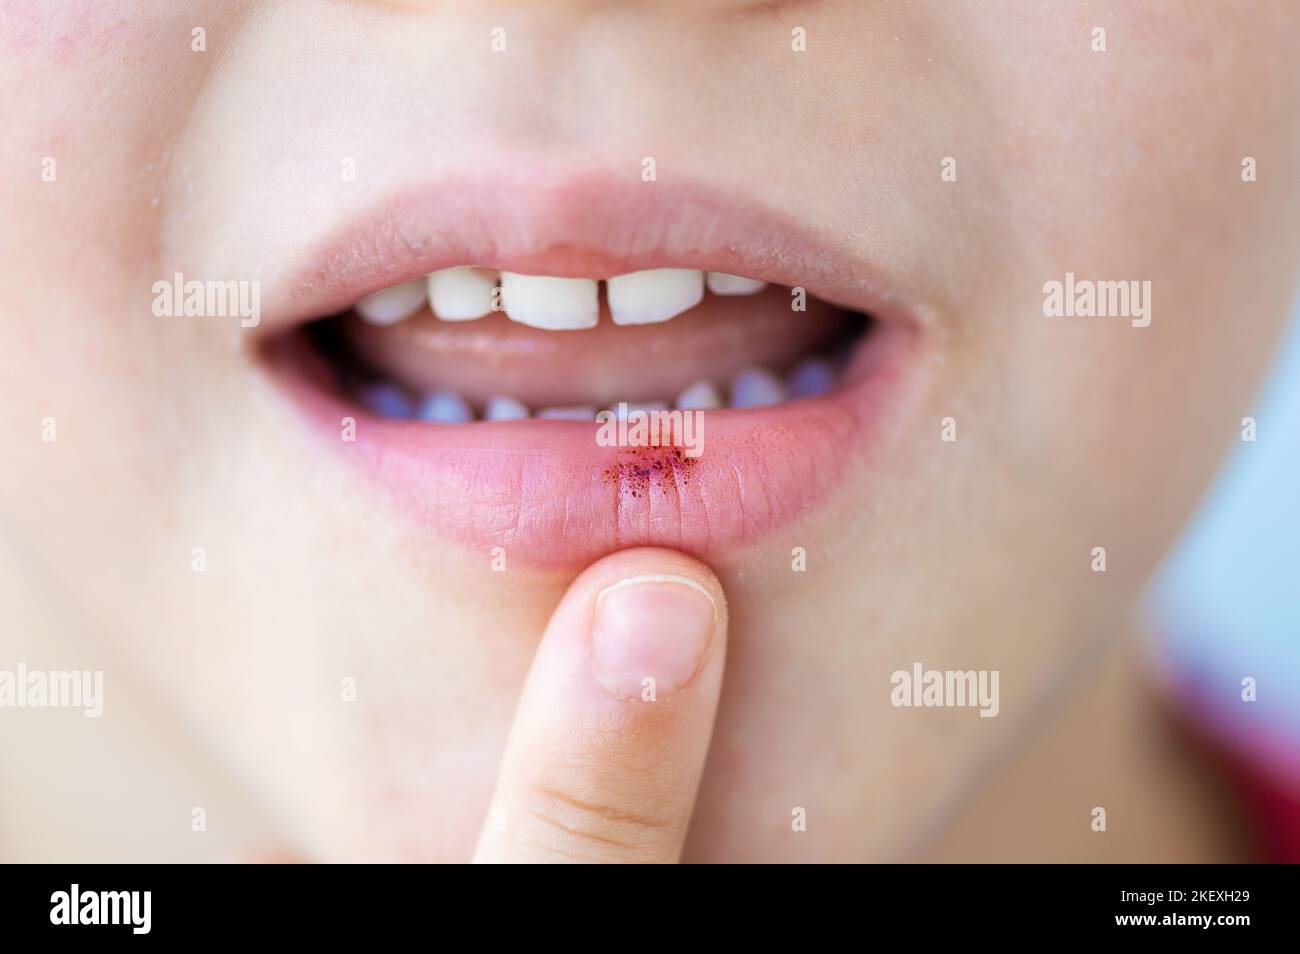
589,225
545,491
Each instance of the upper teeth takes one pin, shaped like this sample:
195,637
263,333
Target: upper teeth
720,283
659,294
461,294
555,304
394,304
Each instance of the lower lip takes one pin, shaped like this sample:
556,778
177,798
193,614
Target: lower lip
550,497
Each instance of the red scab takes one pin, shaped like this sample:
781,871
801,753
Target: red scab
639,469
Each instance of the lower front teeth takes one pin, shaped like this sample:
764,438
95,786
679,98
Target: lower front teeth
623,408
505,409
701,396
580,413
386,400
752,387
757,387
445,407
811,378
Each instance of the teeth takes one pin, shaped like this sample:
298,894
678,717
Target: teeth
386,400
505,409
756,387
752,387
654,295
624,408
581,413
700,396
643,298
445,407
811,378
720,283
461,294
556,304
395,304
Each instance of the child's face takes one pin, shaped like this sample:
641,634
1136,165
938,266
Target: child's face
944,161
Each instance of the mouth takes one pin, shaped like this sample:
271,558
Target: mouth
466,354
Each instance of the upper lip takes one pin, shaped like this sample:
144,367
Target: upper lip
587,225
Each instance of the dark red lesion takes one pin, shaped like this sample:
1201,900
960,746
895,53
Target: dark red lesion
638,469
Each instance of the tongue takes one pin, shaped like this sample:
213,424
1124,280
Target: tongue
598,366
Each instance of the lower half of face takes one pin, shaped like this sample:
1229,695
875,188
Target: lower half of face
334,357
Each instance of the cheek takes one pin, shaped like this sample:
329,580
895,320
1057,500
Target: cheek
1084,139
51,40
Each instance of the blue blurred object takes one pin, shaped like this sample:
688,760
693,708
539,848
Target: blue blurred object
1227,601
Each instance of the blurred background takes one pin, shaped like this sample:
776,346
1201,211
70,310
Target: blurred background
1226,604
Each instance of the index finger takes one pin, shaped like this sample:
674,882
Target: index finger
609,740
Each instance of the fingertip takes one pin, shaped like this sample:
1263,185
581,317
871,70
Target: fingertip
626,565
651,634
656,618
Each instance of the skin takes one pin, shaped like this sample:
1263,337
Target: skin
1123,164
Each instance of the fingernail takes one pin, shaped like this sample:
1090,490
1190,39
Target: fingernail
650,635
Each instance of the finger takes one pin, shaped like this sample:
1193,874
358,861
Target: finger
609,740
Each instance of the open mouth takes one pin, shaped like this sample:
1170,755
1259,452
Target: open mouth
471,344
468,373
